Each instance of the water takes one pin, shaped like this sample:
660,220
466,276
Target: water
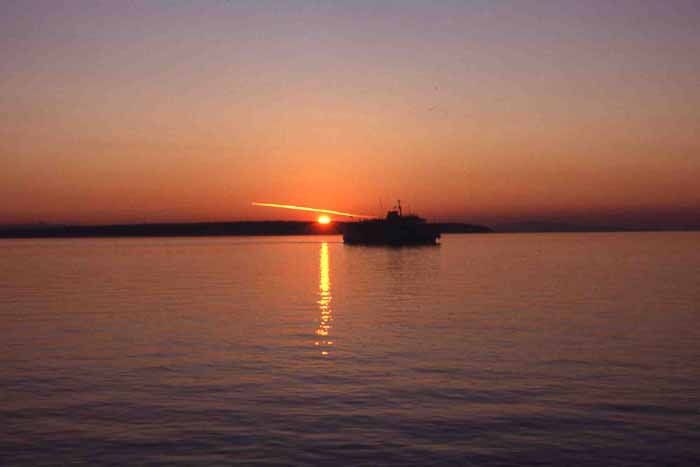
579,349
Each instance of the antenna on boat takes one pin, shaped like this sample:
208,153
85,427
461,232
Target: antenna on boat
398,206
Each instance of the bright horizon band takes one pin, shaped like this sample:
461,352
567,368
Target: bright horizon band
303,208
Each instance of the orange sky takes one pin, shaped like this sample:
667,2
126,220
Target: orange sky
481,111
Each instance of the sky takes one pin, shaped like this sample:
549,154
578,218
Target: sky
477,111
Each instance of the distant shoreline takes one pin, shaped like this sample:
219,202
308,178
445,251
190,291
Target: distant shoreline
201,229
280,228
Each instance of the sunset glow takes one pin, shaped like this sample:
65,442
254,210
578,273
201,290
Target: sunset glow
304,208
481,111
333,232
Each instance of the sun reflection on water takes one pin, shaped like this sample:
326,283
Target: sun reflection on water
324,303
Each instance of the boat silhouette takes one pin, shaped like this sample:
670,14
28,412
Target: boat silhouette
395,229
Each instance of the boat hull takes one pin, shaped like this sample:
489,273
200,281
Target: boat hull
379,233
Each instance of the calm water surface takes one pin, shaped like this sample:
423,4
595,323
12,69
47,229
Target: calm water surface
579,349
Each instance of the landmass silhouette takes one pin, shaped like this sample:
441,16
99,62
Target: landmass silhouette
201,229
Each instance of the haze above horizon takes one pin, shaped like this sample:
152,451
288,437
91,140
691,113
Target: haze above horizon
484,112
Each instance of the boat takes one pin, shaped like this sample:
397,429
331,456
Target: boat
395,229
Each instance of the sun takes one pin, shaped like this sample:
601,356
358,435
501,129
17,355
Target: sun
324,220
